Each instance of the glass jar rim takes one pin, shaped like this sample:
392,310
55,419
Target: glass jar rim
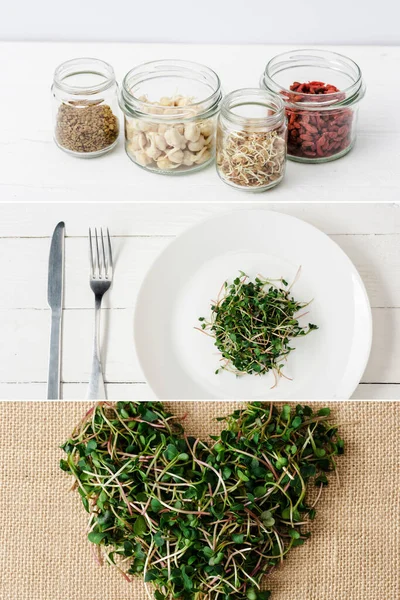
83,65
159,68
244,96
349,95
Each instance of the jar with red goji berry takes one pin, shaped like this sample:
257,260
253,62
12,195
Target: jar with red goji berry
321,91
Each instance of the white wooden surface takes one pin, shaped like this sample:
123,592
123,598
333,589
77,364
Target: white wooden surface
32,168
369,234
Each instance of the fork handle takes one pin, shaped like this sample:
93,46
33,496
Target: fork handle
96,390
53,380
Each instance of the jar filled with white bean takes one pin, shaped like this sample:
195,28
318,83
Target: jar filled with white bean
170,109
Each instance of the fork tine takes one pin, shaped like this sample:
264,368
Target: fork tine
104,254
91,252
109,250
101,262
97,253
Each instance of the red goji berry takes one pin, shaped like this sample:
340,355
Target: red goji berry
316,133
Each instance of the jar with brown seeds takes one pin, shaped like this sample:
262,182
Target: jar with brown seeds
86,122
170,112
251,140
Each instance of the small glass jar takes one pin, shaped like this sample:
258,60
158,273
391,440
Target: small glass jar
251,140
321,91
170,109
85,107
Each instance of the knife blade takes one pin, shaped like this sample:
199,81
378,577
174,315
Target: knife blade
55,289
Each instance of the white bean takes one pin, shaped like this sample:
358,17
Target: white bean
165,164
153,151
173,137
192,132
175,155
203,156
188,158
142,158
206,128
160,142
196,146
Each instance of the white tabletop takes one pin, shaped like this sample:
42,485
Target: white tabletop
369,234
33,170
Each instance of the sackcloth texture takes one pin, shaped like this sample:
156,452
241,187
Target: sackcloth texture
353,554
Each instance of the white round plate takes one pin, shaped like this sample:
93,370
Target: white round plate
179,362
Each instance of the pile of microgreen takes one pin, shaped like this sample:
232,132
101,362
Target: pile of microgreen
200,521
253,324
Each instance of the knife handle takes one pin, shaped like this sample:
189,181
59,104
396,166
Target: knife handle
53,381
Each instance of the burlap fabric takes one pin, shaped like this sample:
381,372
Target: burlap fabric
354,552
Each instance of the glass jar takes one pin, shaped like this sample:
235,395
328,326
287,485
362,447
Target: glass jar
251,140
85,107
170,109
321,91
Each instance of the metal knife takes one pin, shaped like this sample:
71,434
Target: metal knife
55,289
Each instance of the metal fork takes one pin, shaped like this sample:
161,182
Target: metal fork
101,273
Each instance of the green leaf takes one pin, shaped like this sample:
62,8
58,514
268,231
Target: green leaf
216,559
171,452
260,491
140,526
96,537
297,421
151,575
242,475
208,552
150,416
294,534
187,582
90,446
158,539
156,506
324,412
226,472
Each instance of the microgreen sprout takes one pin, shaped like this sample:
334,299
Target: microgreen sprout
200,520
253,323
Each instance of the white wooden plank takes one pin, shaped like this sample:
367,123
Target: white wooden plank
377,259
24,359
137,391
384,361
25,356
370,391
38,220
74,391
364,175
25,264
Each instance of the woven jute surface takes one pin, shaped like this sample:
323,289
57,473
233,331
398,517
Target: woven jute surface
353,554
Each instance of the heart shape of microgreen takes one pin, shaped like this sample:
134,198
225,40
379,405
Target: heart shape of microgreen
200,521
253,323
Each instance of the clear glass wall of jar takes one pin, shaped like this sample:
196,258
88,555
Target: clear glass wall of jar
85,107
251,140
321,91
170,109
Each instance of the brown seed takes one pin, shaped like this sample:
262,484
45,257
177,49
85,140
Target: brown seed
87,128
